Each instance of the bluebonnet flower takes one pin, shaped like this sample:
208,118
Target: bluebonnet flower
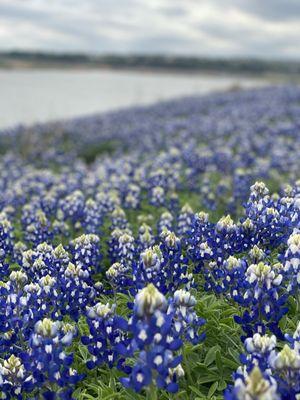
107,201
119,276
44,260
165,222
153,345
282,367
76,290
72,206
292,261
18,249
286,367
14,378
132,198
17,316
86,252
60,227
273,219
158,178
118,219
174,203
213,242
163,265
224,276
186,322
145,237
113,243
207,195
126,248
39,230
6,238
149,268
260,294
256,254
92,216
106,332
157,196
255,385
259,348
48,361
185,219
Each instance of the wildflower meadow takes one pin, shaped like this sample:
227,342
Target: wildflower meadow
154,252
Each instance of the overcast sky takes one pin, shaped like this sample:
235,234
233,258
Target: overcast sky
262,28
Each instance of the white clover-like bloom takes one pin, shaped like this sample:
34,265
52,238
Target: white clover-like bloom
19,277
286,358
294,243
263,273
166,216
115,270
248,224
260,343
12,367
256,387
73,271
259,189
226,223
202,216
232,262
186,209
184,298
47,281
171,239
86,240
47,327
100,310
148,300
125,239
204,249
60,253
256,253
39,264
150,259
118,212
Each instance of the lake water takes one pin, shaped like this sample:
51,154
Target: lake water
39,95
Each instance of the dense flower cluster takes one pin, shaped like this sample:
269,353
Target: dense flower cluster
105,254
268,373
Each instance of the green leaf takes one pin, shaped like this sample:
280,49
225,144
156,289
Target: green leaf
234,354
222,385
212,389
83,352
219,362
211,355
229,363
195,390
207,379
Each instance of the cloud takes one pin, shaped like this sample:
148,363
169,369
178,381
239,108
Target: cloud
268,28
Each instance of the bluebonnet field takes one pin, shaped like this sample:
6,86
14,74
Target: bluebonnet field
154,252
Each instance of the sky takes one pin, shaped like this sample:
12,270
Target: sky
213,28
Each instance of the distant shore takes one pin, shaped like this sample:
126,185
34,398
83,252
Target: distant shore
271,77
150,64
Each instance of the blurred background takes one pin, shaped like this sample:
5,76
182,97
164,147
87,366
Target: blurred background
67,58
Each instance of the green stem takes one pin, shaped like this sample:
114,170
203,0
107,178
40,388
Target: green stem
187,367
152,392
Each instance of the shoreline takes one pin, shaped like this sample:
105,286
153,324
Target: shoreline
23,66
